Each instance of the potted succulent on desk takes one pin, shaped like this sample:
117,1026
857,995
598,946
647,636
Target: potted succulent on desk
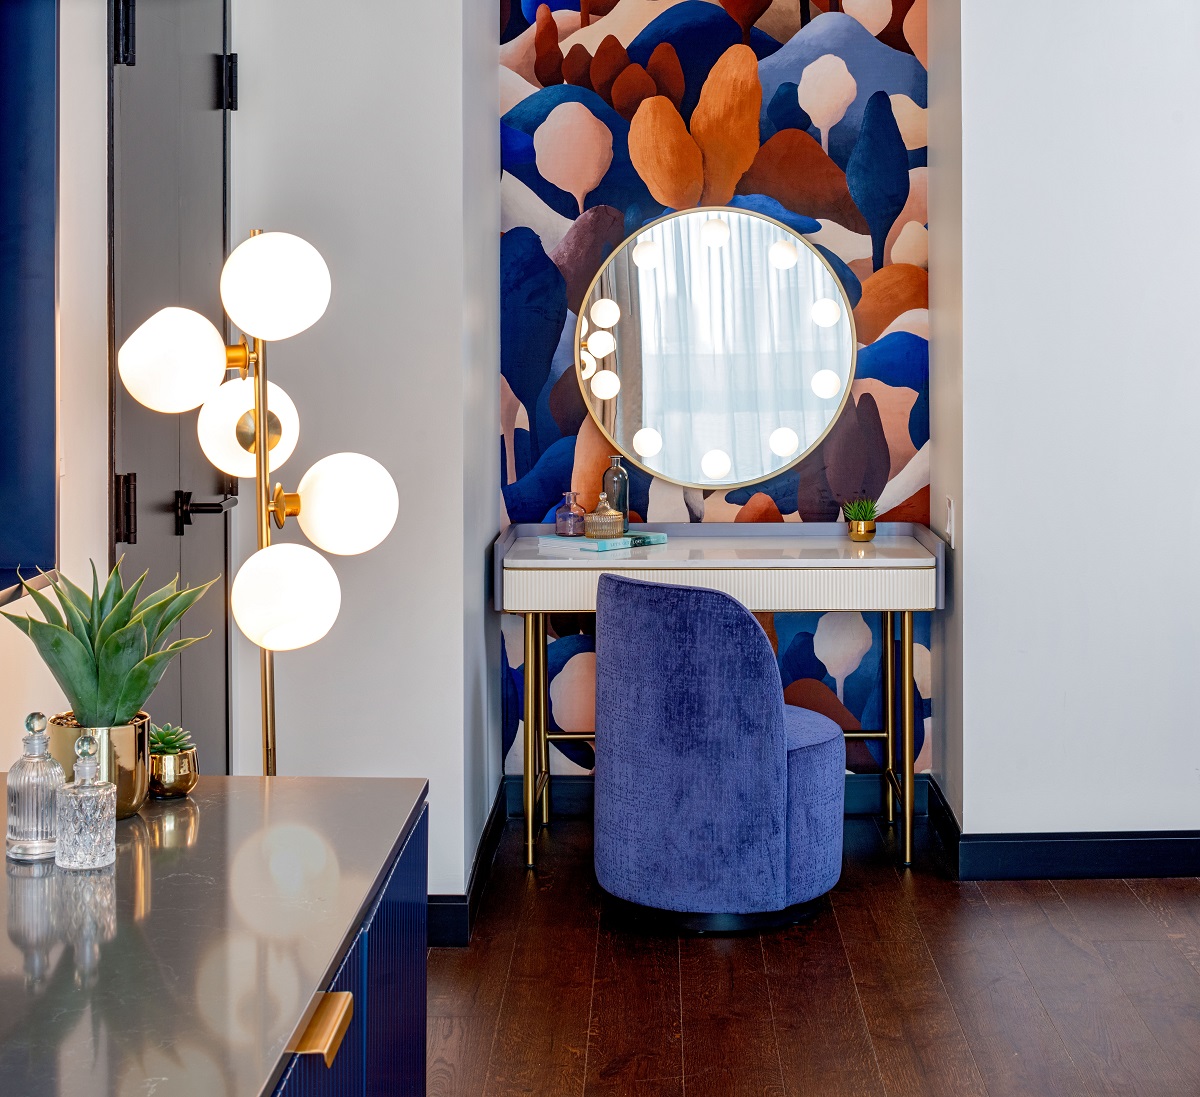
173,770
108,651
860,517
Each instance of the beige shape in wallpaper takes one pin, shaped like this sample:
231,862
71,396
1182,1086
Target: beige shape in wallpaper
667,503
912,121
912,245
574,149
915,321
846,245
520,207
513,89
512,416
911,479
895,404
625,22
520,54
872,14
573,694
825,91
840,642
916,208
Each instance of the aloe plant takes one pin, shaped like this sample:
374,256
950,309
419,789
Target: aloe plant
860,510
169,739
108,650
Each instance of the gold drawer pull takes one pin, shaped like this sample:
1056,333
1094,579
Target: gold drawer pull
327,1026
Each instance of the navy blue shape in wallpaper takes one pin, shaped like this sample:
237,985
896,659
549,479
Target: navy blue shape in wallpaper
28,128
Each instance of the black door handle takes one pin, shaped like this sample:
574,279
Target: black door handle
185,508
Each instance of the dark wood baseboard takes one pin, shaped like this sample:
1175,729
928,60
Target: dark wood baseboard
452,917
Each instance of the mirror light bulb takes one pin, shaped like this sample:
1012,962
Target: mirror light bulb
784,442
715,464
826,384
225,427
583,326
647,442
587,365
606,384
173,362
601,343
348,503
782,255
826,312
647,255
605,313
275,285
714,233
285,597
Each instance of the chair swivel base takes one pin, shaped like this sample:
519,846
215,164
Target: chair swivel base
635,917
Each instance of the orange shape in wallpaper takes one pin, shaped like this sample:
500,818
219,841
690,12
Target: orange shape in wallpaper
890,291
547,57
916,31
610,61
725,123
664,154
760,507
573,149
818,697
667,73
630,89
794,170
914,509
573,694
592,453
767,621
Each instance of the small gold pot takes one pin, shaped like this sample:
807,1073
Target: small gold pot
122,754
173,775
861,531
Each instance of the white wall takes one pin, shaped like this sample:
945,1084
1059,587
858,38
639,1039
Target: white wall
25,684
1080,390
372,134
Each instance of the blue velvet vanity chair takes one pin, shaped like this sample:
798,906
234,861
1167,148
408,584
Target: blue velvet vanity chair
713,797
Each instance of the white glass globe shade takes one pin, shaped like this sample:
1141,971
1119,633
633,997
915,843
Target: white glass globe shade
826,312
583,325
217,426
715,464
784,442
647,255
285,597
348,503
601,343
587,365
782,255
826,384
605,313
606,384
647,442
173,362
275,285
714,233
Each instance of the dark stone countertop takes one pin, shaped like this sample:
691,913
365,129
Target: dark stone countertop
188,966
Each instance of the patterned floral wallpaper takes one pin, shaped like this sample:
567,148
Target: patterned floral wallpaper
613,111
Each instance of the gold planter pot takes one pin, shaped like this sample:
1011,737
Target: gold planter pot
173,775
123,756
861,531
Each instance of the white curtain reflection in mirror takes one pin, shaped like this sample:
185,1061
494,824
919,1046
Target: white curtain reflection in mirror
723,349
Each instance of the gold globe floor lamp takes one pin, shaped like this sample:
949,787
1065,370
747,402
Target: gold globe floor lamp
285,596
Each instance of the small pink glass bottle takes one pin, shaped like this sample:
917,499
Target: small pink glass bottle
568,519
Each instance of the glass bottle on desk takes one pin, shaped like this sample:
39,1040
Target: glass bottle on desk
616,487
568,519
87,813
33,782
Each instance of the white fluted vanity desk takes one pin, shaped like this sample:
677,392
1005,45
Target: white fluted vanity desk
766,567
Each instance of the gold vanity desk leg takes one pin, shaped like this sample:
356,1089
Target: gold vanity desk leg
889,711
529,784
908,727
543,722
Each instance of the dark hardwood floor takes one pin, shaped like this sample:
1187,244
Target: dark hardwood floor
904,983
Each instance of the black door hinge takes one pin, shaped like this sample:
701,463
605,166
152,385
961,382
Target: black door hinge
124,32
125,517
229,81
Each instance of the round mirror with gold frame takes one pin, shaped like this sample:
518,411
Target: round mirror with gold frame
715,348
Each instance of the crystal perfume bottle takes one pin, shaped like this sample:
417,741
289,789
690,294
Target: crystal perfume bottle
87,813
568,519
32,784
616,487
604,521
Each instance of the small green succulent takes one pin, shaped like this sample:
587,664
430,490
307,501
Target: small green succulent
169,739
860,510
108,651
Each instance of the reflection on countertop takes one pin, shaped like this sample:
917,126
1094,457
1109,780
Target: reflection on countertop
190,963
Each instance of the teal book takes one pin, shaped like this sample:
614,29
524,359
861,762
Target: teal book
605,544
